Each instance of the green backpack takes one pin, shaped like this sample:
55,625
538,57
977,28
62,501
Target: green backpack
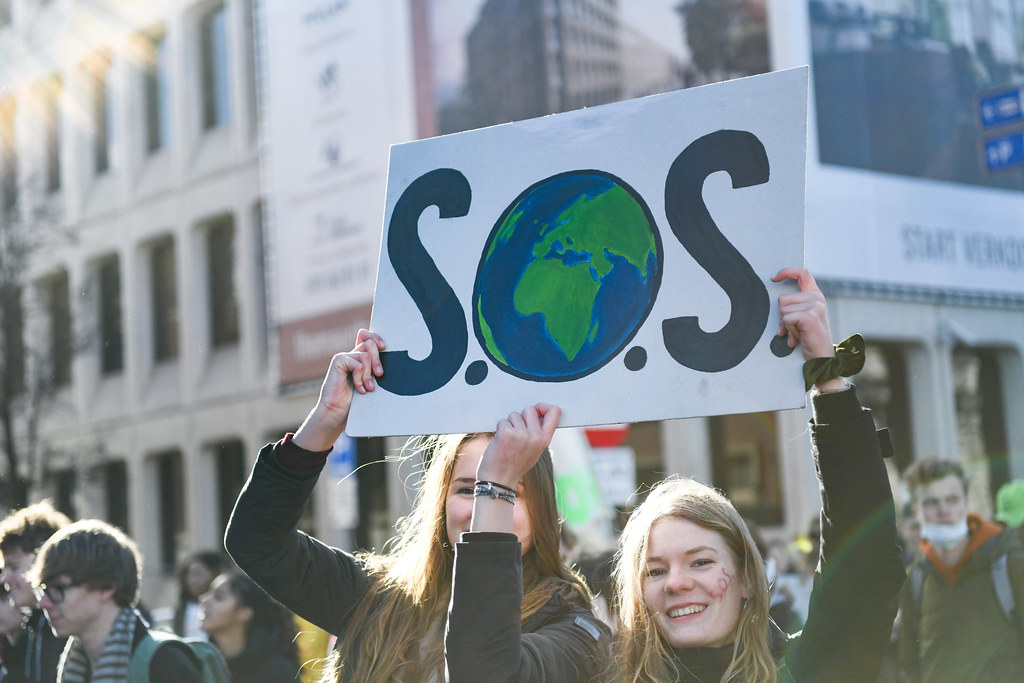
212,664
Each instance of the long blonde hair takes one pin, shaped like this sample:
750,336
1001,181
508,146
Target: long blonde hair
410,581
643,655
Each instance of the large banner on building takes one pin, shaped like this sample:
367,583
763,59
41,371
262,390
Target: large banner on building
336,91
615,261
916,170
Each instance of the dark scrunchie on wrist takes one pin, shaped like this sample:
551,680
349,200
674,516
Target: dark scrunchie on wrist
848,361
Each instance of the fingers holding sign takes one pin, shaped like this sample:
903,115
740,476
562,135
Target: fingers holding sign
350,372
518,443
803,315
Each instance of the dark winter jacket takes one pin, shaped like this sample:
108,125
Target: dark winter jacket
959,632
484,641
34,658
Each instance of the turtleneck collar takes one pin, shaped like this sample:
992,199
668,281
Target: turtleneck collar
703,664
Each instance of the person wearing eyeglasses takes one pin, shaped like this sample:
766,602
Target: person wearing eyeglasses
86,579
34,654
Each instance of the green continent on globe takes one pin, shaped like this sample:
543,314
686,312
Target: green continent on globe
571,261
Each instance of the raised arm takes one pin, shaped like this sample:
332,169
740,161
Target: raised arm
315,581
860,568
486,636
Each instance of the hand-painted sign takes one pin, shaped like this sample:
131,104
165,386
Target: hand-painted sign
531,262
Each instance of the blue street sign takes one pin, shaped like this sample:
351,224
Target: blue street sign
342,460
1002,107
1005,152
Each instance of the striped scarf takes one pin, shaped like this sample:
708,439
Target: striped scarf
112,666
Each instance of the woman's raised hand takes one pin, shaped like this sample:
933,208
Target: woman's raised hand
518,443
350,372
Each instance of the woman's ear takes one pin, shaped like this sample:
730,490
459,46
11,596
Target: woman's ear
244,614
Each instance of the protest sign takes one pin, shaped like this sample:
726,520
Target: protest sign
614,261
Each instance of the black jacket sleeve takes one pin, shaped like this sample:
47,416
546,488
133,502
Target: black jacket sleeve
484,640
319,583
860,573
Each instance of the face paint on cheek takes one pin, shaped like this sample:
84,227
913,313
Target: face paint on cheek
724,581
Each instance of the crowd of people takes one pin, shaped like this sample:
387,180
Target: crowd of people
70,611
474,586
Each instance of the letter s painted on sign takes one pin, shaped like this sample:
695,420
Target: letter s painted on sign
743,157
449,191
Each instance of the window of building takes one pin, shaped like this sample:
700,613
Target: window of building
745,464
103,113
56,291
111,337
114,476
8,158
50,115
5,13
220,250
213,64
981,418
12,339
883,386
165,300
157,91
170,491
231,472
65,484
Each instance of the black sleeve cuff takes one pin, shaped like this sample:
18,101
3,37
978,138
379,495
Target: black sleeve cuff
839,406
289,459
488,537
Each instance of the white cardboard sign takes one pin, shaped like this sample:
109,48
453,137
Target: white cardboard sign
614,261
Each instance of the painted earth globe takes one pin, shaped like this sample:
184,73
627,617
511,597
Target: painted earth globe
567,277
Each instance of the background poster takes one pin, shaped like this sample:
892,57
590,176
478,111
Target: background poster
907,193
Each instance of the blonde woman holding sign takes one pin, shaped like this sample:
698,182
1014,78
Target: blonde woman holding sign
472,587
693,597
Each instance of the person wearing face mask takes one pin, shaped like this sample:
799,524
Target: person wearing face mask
960,610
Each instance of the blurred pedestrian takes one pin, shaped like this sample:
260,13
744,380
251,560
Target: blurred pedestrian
254,632
86,578
12,624
195,574
961,617
36,654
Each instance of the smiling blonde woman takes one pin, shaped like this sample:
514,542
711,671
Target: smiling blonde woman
693,596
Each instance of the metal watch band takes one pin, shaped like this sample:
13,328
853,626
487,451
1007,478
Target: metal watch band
491,491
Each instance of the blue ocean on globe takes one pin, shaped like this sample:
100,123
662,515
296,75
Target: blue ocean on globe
567,277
